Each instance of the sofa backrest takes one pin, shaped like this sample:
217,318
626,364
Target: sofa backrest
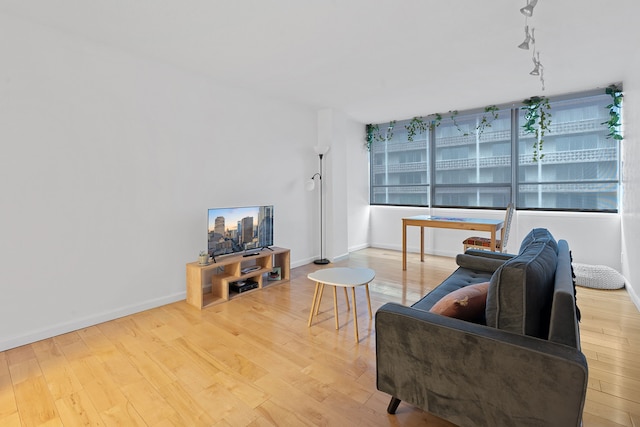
538,235
521,290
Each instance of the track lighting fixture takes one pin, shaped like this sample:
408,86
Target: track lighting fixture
530,41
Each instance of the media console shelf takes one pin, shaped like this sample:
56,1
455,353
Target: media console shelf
228,269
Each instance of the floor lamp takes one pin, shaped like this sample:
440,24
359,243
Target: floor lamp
320,150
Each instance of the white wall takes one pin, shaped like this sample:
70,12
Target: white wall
631,178
108,163
358,189
346,184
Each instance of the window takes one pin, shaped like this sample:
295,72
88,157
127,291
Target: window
400,170
473,167
472,159
580,166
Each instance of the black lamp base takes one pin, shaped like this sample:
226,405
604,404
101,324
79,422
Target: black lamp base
321,261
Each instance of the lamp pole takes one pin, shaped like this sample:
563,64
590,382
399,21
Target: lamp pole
322,260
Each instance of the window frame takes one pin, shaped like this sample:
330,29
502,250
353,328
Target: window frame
513,188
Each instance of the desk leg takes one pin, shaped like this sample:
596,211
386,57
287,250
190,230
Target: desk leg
366,287
355,314
335,305
404,246
313,303
421,244
493,240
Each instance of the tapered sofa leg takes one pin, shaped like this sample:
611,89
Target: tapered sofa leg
393,405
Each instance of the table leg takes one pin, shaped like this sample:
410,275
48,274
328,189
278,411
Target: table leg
313,303
319,298
335,305
346,295
366,287
404,246
355,314
421,244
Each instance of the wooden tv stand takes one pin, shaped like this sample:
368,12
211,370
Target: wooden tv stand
229,269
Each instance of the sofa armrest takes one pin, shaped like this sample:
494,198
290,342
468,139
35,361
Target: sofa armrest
472,374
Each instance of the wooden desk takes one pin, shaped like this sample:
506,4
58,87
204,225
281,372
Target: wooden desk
477,224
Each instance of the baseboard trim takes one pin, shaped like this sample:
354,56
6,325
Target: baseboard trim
301,262
341,257
416,250
632,294
85,322
359,247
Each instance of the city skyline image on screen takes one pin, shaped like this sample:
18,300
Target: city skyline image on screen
239,229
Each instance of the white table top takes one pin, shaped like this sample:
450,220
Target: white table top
343,276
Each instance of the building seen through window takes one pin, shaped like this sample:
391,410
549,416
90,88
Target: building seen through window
461,163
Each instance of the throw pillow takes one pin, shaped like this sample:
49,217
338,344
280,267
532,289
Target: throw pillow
466,303
521,291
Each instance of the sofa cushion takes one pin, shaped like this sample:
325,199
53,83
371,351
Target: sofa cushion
521,290
466,303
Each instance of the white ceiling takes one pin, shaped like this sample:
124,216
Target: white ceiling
375,60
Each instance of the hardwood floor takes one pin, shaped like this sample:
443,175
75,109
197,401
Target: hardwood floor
254,362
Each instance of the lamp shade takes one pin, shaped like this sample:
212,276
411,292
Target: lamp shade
310,185
321,149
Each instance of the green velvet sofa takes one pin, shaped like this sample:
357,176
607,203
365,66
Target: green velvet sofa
518,365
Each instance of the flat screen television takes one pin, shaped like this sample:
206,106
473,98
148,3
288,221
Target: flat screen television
239,229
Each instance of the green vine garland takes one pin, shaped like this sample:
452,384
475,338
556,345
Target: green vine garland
420,124
453,116
485,121
613,124
372,131
374,134
537,122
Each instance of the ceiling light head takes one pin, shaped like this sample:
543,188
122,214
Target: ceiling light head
537,66
535,71
527,38
528,9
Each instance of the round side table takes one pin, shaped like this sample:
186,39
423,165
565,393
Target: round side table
345,278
